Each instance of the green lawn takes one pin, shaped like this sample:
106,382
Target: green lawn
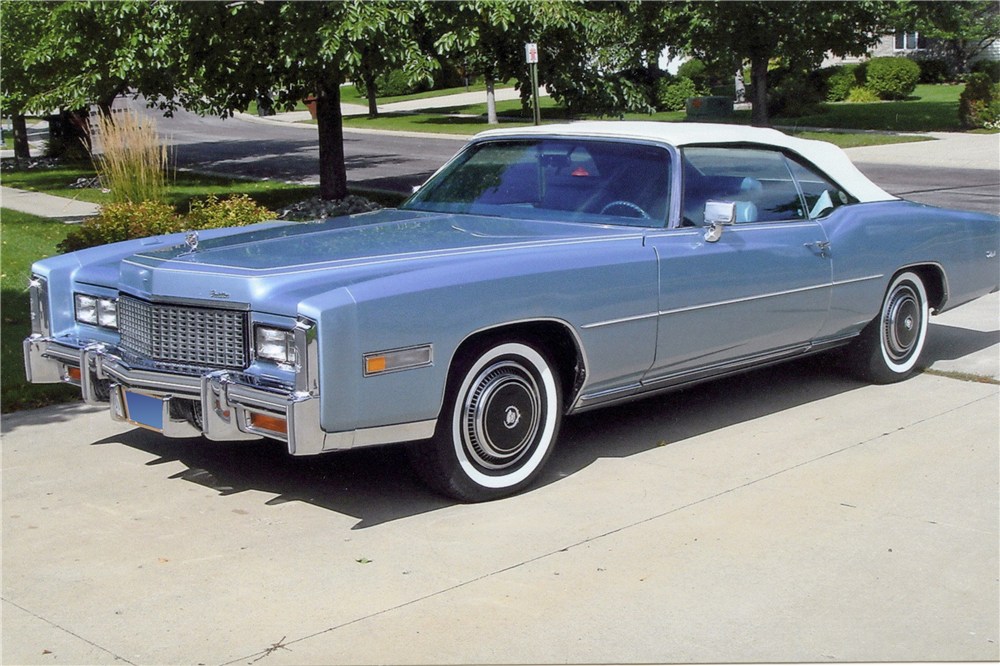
512,115
25,239
931,108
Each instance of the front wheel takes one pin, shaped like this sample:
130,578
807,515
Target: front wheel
889,347
501,417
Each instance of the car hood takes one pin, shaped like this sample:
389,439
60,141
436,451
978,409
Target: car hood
272,267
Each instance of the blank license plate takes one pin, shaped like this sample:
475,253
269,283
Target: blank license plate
144,410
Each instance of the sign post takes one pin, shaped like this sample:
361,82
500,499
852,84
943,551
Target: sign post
531,57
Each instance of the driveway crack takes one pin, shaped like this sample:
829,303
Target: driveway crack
65,630
257,656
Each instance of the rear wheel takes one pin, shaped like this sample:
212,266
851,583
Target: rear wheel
889,347
501,417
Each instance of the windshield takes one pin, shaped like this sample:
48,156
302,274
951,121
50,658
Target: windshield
606,182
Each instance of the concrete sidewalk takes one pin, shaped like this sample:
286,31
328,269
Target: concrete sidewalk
47,205
950,149
298,118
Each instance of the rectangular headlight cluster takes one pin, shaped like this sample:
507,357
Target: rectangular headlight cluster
96,310
275,344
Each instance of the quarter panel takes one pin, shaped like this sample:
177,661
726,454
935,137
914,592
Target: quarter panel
871,242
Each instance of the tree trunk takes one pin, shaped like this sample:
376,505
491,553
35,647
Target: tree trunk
372,90
758,77
332,169
491,102
22,151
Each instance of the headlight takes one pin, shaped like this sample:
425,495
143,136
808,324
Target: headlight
96,311
275,344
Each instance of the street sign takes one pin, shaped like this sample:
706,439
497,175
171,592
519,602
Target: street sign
531,53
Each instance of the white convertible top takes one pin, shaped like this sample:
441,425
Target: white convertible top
826,156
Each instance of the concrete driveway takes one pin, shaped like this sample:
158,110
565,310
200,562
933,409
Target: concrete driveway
789,514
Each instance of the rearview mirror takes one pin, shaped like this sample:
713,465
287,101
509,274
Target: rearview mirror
717,215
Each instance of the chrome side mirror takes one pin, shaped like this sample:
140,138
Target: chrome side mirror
718,214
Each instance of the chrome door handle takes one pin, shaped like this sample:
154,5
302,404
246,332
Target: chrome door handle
822,246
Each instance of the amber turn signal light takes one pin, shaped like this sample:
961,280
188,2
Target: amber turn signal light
271,423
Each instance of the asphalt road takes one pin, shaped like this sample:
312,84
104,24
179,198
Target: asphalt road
397,163
237,147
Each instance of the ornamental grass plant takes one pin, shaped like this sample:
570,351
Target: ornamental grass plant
129,157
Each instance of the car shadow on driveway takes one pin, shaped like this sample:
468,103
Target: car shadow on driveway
950,343
376,485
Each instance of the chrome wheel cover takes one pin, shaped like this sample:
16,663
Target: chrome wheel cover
501,416
902,322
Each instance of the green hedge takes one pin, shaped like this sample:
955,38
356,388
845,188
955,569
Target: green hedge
125,221
671,94
979,103
892,78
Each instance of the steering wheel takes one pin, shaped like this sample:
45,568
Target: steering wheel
626,204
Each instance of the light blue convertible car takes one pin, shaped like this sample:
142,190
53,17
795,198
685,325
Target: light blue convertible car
541,272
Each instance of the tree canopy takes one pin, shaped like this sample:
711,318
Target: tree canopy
800,33
959,30
241,52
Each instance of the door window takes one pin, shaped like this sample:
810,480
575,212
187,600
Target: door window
821,195
758,181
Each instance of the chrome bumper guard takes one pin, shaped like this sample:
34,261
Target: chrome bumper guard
227,399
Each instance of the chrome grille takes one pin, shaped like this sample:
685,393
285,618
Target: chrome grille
182,334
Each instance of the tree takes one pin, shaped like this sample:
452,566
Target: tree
21,81
240,51
488,37
100,50
958,31
800,33
603,57
388,40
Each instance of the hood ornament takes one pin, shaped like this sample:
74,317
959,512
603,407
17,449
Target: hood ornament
191,239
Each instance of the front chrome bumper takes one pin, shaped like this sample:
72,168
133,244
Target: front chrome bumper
228,400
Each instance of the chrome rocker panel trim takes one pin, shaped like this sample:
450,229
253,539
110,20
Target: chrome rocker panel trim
228,399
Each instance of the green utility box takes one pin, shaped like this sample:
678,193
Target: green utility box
709,107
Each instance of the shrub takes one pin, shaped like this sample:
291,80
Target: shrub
840,80
892,78
236,211
132,161
672,94
795,93
933,70
694,70
977,105
990,68
126,220
123,221
862,94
